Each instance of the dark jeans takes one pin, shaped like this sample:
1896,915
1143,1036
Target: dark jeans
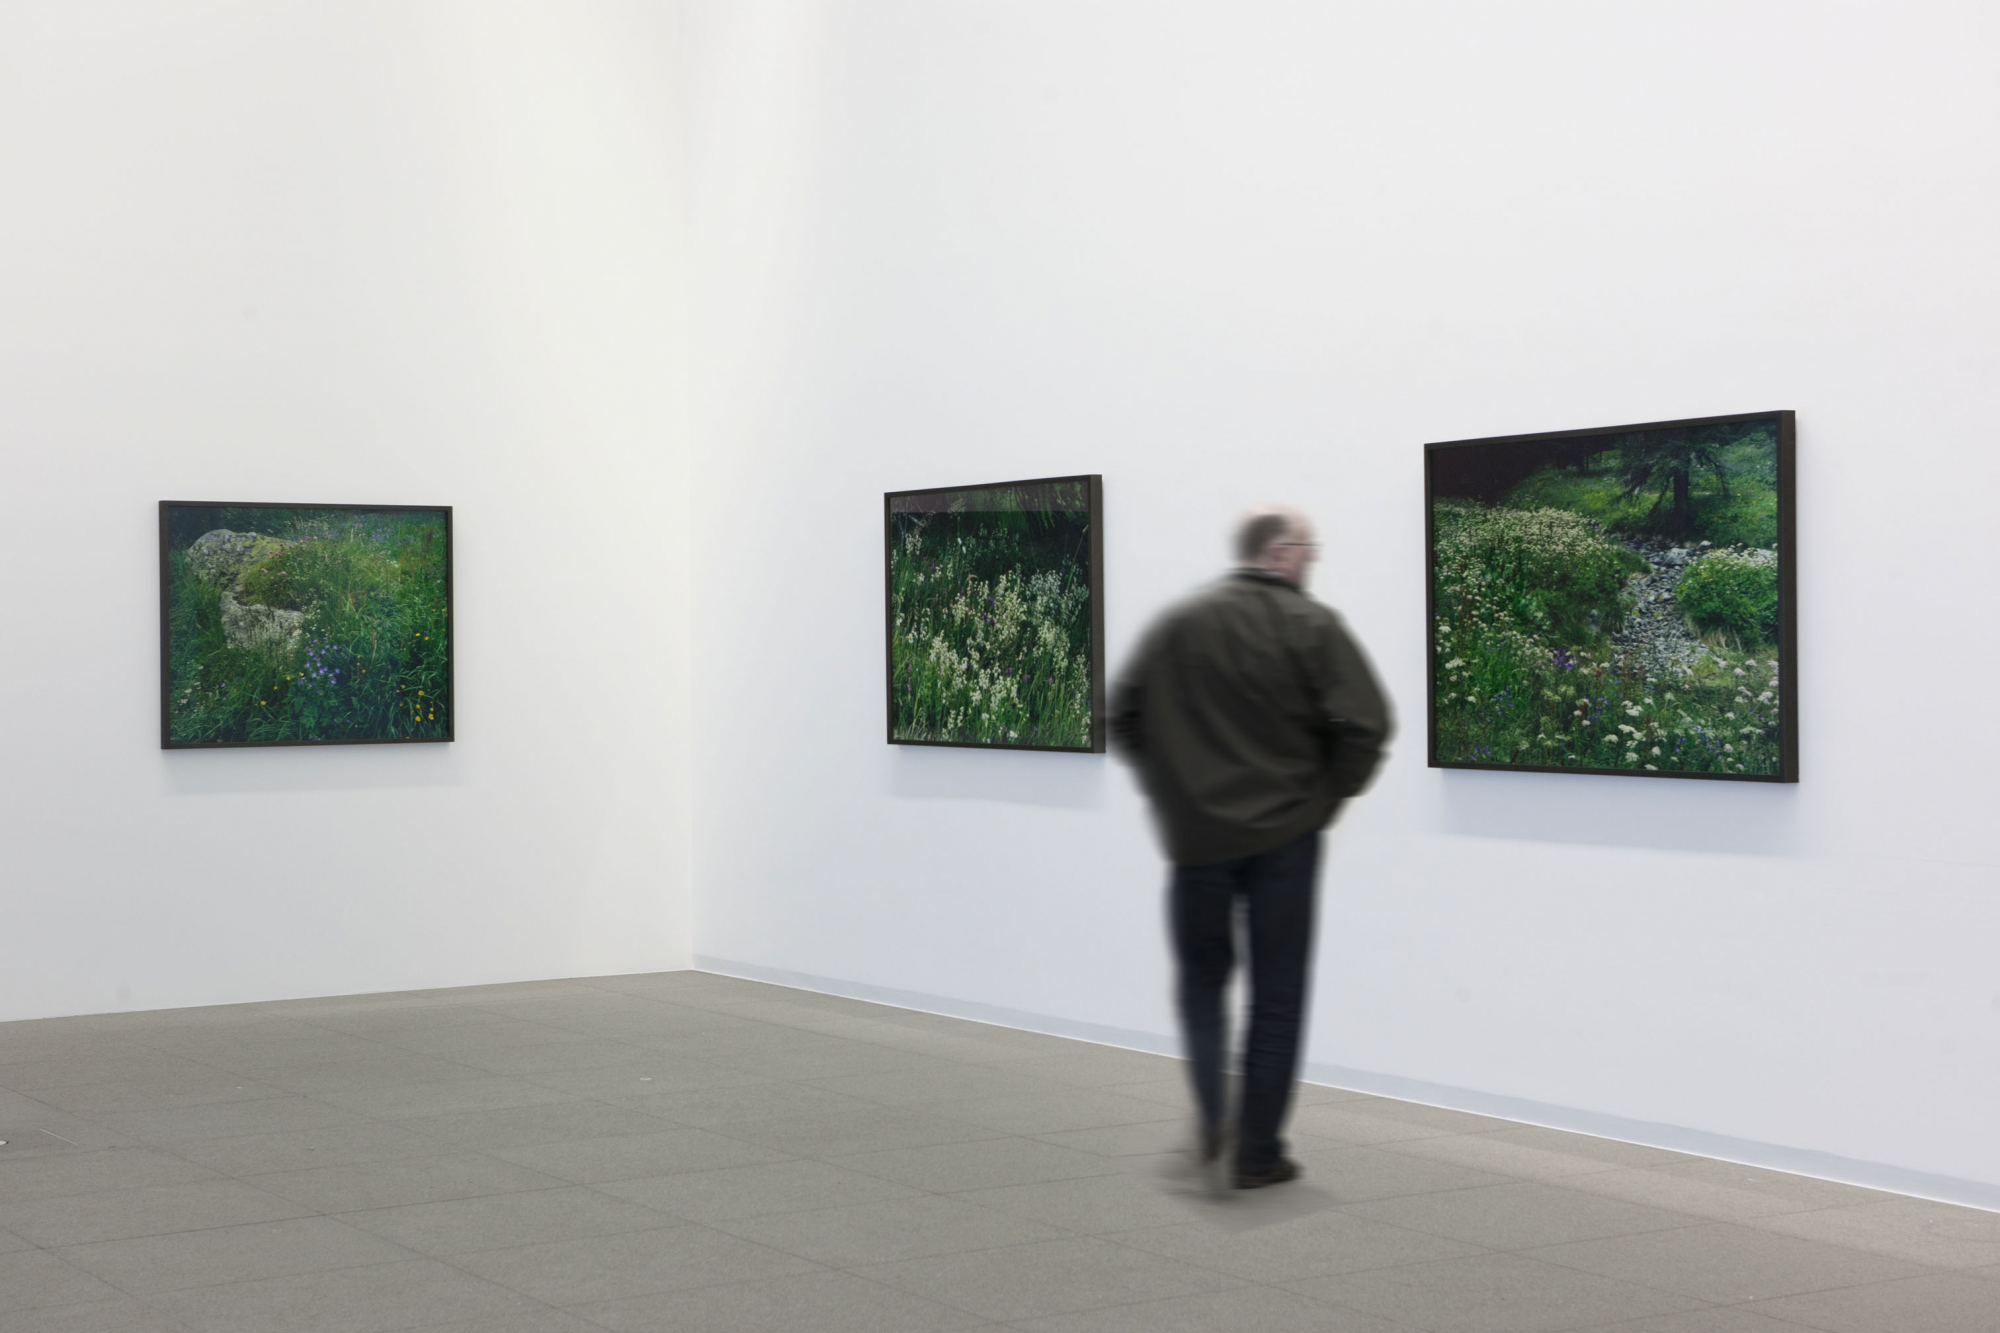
1277,890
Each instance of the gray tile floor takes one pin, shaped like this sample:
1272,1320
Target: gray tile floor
689,1152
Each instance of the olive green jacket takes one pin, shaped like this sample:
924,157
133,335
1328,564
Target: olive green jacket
1250,716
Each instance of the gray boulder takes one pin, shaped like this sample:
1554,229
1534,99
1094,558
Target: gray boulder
220,556
246,624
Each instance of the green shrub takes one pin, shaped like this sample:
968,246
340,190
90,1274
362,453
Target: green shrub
1548,572
1732,591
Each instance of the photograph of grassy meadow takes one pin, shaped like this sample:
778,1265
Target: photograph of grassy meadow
304,624
995,615
1615,601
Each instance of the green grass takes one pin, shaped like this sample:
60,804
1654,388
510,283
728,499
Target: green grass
1747,515
370,661
1514,702
1528,674
990,627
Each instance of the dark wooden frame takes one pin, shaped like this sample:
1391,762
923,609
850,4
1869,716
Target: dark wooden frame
1095,483
451,631
1788,719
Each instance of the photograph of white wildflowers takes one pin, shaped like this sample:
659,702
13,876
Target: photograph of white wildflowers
994,615
1614,601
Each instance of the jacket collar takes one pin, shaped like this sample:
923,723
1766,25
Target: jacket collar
1255,575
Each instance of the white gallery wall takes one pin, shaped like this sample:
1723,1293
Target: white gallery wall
1228,252
374,253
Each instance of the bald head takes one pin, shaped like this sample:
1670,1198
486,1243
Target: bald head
1278,539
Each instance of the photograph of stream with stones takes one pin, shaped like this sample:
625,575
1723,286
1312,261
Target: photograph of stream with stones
1609,602
294,625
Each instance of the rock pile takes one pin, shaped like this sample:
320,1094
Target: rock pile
220,557
1656,631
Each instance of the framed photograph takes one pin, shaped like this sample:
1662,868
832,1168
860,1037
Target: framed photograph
296,624
996,615
1616,601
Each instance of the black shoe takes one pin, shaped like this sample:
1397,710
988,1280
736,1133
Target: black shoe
1277,1173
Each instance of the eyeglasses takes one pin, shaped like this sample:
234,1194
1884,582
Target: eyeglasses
1310,546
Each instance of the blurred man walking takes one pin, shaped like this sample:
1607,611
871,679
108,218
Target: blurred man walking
1250,716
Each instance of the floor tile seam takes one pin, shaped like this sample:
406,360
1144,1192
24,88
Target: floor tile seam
147,1297
72,1267
1243,1284
1523,1249
163,1144
856,1266
456,1150
989,1136
535,1022
1483,1251
570,1309
1397,1146
322,1026
20,1091
152,1302
1291,1286
1653,1286
345,1215
1231,1283
247,1176
57,1111
844,1160
570,1027
536,1079
1684,1219
666,1222
218,1101
390,1046
180,1231
217,1178
1809,1209
148,1306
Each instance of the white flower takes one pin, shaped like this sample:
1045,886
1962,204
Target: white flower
1454,664
1656,752
1728,748
1730,716
1653,768
1739,671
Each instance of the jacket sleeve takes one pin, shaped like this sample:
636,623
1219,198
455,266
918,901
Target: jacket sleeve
1127,722
1352,708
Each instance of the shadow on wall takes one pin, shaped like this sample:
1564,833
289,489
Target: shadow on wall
1018,777
1680,815
308,768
